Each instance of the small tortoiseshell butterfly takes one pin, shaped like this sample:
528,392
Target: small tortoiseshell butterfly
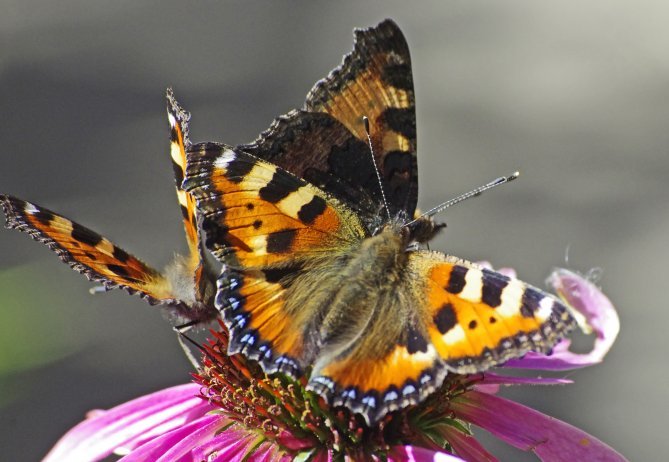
321,275
186,285
317,279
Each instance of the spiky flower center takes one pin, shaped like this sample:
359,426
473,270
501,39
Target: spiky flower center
281,410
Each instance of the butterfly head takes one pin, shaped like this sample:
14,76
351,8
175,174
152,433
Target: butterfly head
423,229
412,232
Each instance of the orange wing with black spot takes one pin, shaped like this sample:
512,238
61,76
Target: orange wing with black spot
269,228
477,318
88,252
464,319
255,214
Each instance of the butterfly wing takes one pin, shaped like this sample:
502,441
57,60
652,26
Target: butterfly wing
255,214
270,229
87,251
194,266
185,284
326,143
478,318
462,318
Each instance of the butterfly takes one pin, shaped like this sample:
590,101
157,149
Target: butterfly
325,274
186,286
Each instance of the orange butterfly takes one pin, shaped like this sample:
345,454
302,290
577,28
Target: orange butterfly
322,276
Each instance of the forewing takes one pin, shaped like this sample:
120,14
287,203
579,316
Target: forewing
194,266
255,214
478,318
87,252
375,81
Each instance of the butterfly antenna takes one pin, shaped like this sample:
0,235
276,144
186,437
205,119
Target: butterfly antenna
473,193
365,120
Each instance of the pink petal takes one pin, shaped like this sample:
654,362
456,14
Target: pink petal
142,438
416,454
96,437
173,445
491,388
234,444
560,359
490,378
530,430
595,313
226,447
466,446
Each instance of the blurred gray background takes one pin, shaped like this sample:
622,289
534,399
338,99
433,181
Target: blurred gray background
573,94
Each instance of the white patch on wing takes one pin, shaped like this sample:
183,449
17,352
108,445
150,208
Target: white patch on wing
105,246
224,159
31,209
259,176
453,336
545,309
63,225
427,357
259,245
176,154
292,203
473,286
512,296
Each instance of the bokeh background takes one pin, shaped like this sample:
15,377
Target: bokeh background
573,94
